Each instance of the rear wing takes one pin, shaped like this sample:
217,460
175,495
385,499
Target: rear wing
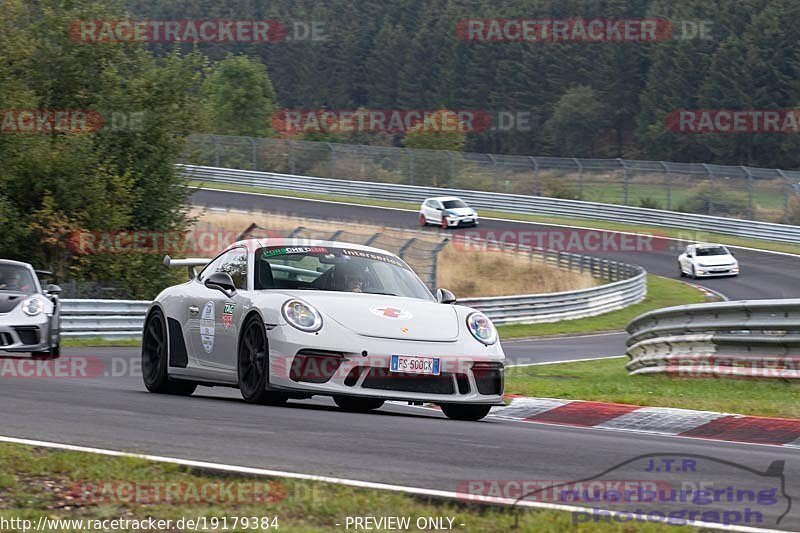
191,263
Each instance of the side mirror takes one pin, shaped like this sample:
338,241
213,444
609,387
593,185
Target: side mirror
221,281
439,208
53,289
443,296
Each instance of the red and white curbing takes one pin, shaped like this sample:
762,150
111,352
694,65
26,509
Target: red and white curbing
654,420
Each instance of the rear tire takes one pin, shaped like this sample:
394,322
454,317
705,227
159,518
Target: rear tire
357,405
155,359
680,271
252,365
471,413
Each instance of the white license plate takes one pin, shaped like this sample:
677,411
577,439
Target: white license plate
415,365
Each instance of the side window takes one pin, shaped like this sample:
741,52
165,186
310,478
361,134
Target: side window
234,262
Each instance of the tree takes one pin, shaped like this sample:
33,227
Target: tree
576,122
239,98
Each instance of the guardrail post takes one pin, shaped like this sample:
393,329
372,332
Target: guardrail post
216,152
372,239
336,235
750,211
402,252
296,231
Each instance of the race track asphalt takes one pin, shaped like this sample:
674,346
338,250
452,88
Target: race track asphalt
764,275
398,444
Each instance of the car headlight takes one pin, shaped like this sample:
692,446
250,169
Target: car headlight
302,316
482,328
32,306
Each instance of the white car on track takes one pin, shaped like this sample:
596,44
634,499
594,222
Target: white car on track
707,260
282,320
448,212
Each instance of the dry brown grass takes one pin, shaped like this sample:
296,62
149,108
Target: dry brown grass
492,273
468,273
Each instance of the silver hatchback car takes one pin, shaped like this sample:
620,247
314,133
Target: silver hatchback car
29,315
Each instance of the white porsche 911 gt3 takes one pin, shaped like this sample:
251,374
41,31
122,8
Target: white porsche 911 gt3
280,319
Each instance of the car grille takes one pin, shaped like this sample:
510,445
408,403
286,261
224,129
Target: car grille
28,334
382,379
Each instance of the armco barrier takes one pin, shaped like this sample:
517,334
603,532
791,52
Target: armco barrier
757,338
512,203
122,319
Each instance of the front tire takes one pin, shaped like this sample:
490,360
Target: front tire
444,223
252,365
357,405
155,359
694,272
471,413
422,220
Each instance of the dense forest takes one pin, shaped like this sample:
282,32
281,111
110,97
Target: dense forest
586,99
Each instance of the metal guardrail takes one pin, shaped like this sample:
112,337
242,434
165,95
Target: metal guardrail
628,285
756,338
765,194
513,203
117,319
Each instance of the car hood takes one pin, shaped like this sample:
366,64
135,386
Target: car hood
10,299
462,211
388,317
715,260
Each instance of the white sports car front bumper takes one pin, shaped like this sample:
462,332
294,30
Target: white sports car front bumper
22,333
356,365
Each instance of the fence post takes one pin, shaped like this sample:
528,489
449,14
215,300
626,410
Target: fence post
452,169
402,252
580,178
668,183
254,152
292,163
435,263
787,188
750,211
372,239
410,153
624,180
710,200
216,152
494,171
332,168
537,182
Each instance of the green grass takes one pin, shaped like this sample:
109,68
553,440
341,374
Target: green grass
37,482
676,233
98,342
607,380
661,292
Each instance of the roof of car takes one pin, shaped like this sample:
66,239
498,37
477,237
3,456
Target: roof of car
708,245
253,244
17,263
443,198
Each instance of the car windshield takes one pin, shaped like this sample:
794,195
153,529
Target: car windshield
15,278
325,268
454,204
713,250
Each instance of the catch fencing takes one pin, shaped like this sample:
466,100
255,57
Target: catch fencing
512,203
757,339
624,285
752,193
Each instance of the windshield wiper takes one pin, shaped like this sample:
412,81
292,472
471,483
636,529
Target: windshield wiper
381,293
